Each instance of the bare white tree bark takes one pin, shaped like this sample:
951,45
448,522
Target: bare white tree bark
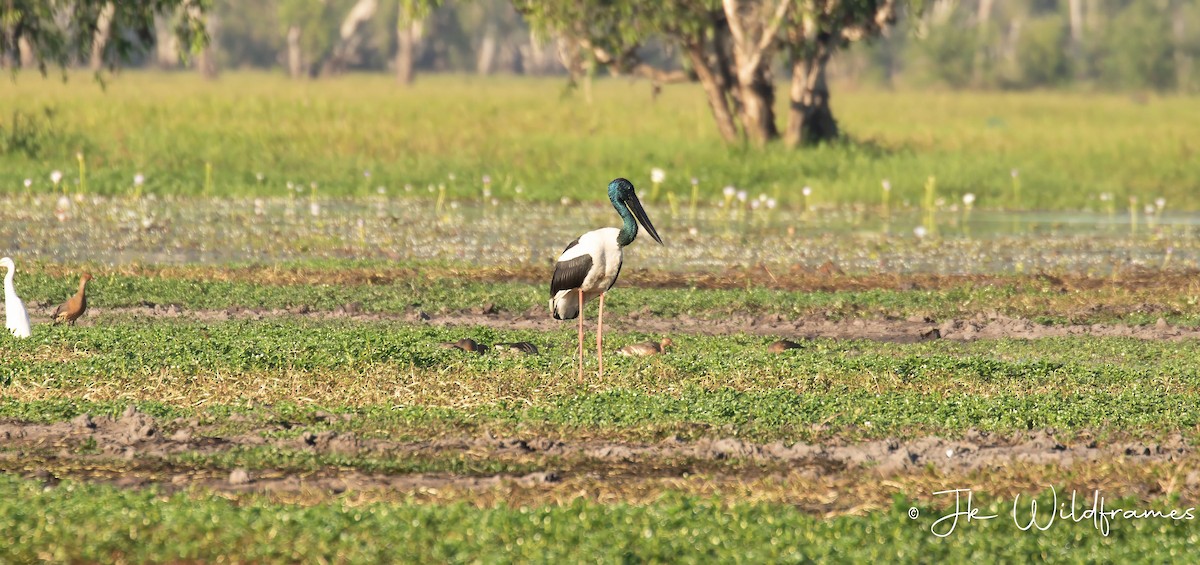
166,45
485,62
350,35
981,26
754,26
295,53
100,38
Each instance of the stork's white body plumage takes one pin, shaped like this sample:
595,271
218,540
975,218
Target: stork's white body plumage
598,249
16,318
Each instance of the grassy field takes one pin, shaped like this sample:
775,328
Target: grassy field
267,381
529,133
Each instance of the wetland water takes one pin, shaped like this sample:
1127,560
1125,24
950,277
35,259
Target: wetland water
854,239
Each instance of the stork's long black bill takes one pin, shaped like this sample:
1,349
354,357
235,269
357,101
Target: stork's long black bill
642,218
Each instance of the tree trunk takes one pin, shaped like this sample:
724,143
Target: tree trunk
753,27
207,61
1182,59
717,101
810,119
1075,16
349,36
166,45
406,51
758,106
100,37
27,56
981,43
295,53
485,62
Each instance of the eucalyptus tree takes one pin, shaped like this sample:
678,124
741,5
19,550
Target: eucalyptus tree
731,48
57,33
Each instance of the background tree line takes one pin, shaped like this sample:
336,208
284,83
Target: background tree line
1112,44
738,50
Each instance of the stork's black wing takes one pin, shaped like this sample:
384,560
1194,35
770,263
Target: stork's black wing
570,274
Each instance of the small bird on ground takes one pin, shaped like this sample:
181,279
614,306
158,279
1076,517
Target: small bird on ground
466,344
645,348
16,318
75,306
783,345
516,347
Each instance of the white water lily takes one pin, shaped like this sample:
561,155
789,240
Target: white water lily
657,175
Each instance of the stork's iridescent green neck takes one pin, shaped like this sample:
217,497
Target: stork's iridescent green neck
629,228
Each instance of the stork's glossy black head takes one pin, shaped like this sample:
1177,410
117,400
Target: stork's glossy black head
620,192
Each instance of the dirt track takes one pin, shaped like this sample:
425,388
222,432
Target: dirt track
133,450
981,326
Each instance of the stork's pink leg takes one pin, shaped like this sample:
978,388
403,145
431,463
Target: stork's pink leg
600,335
580,335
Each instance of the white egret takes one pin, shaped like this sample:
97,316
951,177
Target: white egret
16,319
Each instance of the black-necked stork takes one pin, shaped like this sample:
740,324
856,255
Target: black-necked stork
589,266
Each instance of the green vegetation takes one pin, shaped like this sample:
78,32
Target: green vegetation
524,133
399,290
399,383
144,525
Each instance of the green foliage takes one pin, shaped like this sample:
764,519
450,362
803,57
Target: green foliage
144,525
57,44
1138,53
728,385
1042,53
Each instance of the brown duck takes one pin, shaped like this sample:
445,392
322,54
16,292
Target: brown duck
645,348
783,345
466,344
517,347
75,306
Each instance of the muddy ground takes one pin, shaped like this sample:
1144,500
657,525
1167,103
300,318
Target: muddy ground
135,450
980,326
